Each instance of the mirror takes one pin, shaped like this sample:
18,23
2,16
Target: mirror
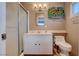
41,20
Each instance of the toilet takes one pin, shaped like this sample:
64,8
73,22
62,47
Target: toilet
63,45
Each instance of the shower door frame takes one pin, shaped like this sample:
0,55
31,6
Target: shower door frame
27,12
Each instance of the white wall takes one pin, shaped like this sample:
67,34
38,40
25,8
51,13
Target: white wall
2,27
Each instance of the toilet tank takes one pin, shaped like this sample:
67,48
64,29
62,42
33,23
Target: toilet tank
59,39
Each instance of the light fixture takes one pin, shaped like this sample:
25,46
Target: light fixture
45,5
40,7
35,5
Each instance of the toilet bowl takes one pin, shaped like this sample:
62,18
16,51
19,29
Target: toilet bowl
63,45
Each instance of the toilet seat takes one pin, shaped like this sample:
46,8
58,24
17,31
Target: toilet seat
65,46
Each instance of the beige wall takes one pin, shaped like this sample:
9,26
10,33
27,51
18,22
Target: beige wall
51,24
72,29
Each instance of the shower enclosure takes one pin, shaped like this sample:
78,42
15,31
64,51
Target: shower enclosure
16,26
22,26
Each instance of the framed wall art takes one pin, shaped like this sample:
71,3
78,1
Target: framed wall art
56,12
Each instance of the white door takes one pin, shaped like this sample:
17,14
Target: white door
2,27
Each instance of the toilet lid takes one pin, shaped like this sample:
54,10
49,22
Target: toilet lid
67,45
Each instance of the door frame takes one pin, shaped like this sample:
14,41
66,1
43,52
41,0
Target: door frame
3,28
27,11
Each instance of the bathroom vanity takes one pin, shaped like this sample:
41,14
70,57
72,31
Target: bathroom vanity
38,44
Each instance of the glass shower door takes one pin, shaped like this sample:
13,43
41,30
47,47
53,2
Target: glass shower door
23,27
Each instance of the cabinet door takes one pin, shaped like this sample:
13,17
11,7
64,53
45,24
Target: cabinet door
38,44
45,44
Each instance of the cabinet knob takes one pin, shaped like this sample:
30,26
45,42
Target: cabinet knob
35,44
39,44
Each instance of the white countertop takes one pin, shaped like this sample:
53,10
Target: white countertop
47,31
36,33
